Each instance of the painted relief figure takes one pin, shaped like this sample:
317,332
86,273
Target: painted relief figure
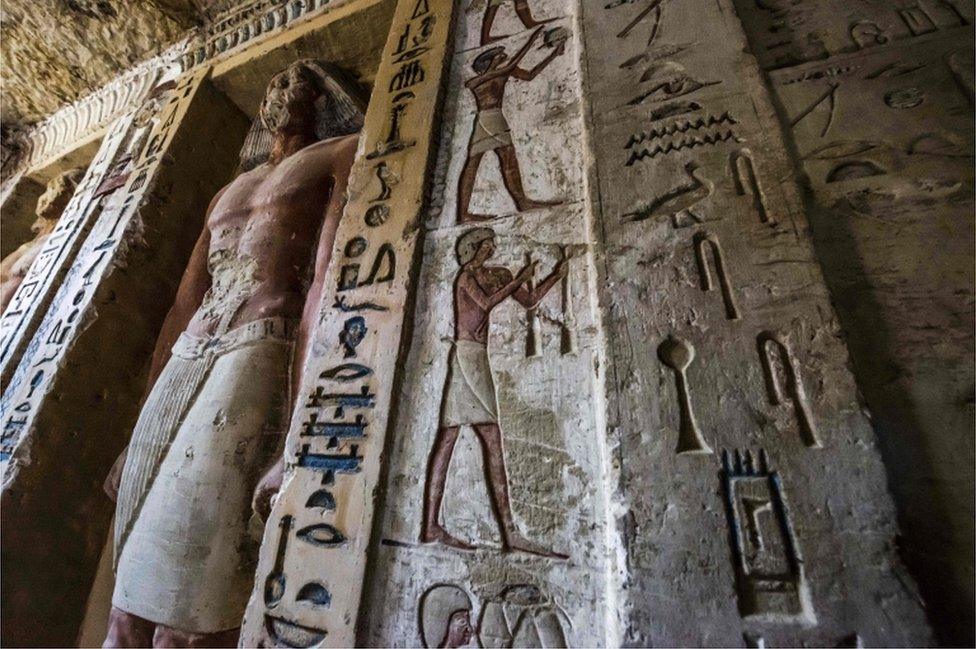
522,10
218,400
521,615
445,617
493,69
469,394
50,205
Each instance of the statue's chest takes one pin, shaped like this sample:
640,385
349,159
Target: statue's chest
277,201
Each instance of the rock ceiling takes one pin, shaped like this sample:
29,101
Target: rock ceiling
56,51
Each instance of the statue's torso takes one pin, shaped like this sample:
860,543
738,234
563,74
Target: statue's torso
264,232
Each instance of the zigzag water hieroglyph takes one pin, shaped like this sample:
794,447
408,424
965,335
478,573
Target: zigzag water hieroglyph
683,143
680,126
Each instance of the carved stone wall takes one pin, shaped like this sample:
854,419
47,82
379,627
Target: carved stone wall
584,287
750,475
881,128
546,364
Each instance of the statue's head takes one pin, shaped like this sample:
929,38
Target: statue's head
55,198
307,95
445,619
477,244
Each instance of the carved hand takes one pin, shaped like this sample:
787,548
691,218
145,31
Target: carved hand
114,478
562,267
527,272
267,489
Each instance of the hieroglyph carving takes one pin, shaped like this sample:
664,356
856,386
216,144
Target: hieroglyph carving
521,615
29,303
769,570
50,206
707,245
338,426
775,356
679,201
678,354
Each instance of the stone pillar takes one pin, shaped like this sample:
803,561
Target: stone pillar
76,392
754,500
532,399
311,571
30,303
881,123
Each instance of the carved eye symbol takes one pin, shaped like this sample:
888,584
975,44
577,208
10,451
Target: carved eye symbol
321,534
346,372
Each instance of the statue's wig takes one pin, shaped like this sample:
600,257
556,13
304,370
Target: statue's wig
339,110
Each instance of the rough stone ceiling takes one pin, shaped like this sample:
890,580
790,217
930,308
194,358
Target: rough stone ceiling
56,51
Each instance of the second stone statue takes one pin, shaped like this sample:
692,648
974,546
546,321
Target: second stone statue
219,397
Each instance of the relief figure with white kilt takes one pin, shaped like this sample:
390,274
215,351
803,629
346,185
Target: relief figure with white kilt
219,394
469,392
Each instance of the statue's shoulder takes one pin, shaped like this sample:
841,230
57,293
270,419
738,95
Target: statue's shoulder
331,148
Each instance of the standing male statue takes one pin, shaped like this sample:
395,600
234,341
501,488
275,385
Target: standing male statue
469,395
219,394
14,267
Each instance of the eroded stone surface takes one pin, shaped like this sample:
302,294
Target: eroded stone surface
886,147
56,52
687,152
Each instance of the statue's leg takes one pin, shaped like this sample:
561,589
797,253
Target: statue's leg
128,630
169,637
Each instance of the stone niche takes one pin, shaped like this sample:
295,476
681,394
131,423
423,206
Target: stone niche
20,204
57,576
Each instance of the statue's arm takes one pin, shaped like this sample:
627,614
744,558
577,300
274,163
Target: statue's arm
341,162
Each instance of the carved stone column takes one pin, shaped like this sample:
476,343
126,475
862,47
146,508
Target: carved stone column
30,303
500,440
315,543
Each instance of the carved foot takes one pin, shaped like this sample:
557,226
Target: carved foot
438,534
493,39
518,543
470,217
529,204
